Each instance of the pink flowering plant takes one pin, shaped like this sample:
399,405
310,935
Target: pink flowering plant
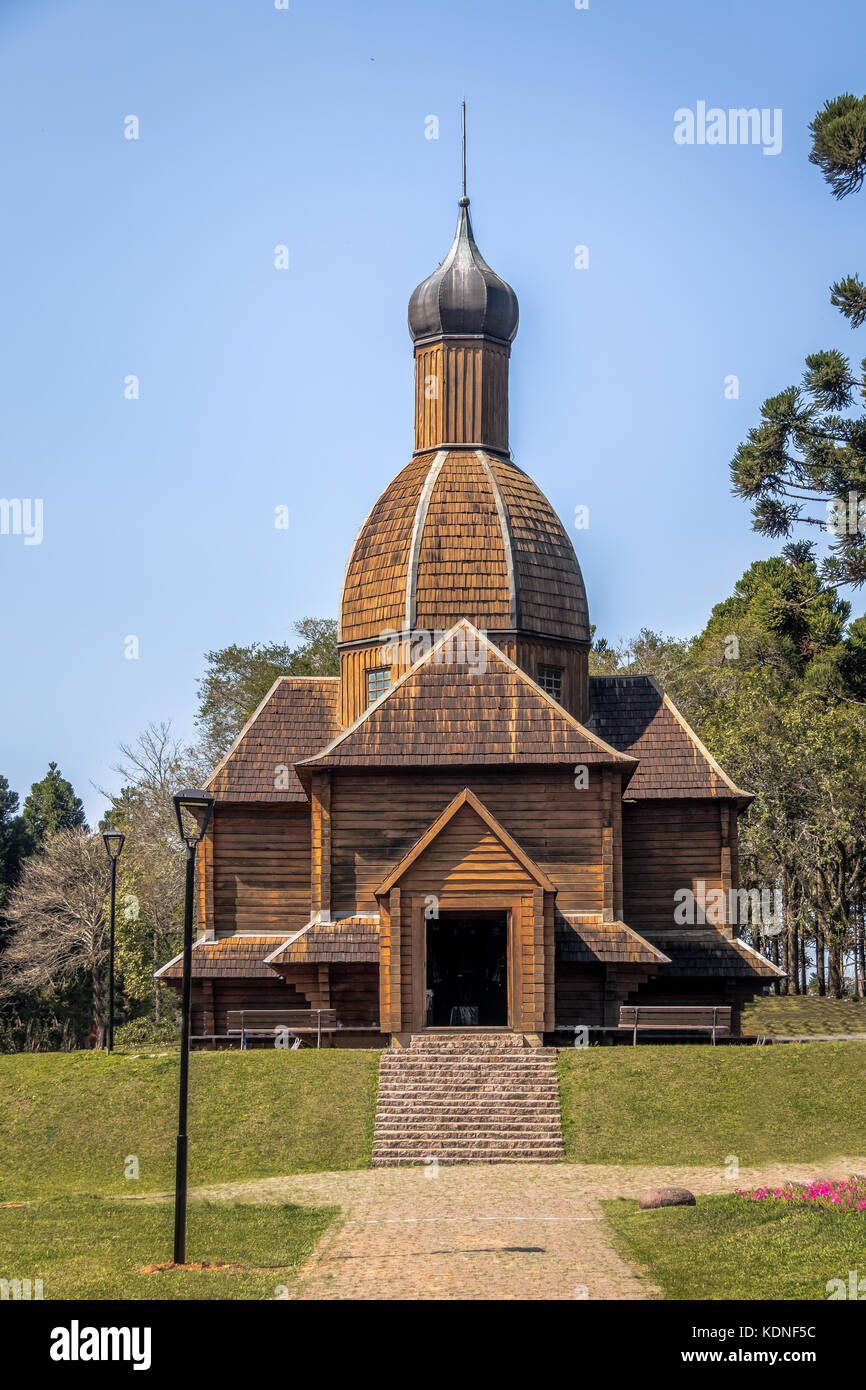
820,1192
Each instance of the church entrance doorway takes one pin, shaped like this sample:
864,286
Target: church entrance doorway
467,970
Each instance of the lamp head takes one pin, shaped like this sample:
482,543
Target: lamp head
193,810
113,843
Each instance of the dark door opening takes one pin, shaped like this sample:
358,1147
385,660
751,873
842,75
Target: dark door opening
467,970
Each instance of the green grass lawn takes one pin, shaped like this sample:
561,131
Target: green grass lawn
89,1247
729,1247
697,1104
70,1122
802,1016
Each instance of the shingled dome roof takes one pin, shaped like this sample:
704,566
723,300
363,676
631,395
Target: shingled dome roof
464,295
463,534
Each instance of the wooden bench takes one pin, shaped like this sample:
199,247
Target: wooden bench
266,1023
670,1018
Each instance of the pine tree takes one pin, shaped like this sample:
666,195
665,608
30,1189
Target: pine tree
52,806
805,463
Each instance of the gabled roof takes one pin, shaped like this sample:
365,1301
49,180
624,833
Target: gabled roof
442,711
634,714
466,798
298,715
587,940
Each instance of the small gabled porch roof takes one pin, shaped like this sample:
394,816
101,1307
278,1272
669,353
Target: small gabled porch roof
466,798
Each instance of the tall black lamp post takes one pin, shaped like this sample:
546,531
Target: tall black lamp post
192,809
113,845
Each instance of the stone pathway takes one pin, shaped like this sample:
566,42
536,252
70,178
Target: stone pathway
511,1231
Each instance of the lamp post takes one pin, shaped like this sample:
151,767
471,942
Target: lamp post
196,806
113,845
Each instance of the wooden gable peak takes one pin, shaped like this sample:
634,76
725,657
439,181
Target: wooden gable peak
466,798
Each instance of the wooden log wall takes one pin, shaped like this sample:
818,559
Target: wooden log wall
531,653
557,825
211,1000
257,875
668,845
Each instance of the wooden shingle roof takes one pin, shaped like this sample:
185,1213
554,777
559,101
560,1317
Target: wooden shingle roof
634,714
475,711
350,941
708,951
298,716
463,533
587,940
232,957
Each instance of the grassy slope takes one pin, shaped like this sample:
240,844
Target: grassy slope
729,1247
698,1104
69,1120
86,1247
803,1016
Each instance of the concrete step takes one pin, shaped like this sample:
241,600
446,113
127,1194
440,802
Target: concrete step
445,1134
465,1038
507,1075
461,1153
456,1091
464,1100
416,1161
506,1104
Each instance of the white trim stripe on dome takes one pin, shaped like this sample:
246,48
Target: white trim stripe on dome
418,535
507,539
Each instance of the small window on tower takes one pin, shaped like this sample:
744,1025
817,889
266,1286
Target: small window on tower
378,681
550,680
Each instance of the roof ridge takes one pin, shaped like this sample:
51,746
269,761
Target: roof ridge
242,735
262,705
563,713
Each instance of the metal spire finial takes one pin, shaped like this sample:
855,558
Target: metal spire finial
464,199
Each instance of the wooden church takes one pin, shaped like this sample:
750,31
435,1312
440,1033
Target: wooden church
464,829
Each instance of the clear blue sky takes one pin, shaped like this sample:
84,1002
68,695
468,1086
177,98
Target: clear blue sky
260,387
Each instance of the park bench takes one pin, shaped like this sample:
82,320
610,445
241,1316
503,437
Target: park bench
670,1018
265,1023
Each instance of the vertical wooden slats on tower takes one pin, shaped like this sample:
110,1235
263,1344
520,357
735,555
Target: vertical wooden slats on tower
461,394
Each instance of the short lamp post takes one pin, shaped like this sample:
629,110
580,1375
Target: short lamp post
113,844
193,809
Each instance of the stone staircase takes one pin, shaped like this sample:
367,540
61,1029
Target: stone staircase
467,1097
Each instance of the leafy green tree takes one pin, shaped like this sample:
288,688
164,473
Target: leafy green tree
52,806
237,678
774,686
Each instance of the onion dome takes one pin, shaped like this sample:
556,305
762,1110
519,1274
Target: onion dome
464,296
463,534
